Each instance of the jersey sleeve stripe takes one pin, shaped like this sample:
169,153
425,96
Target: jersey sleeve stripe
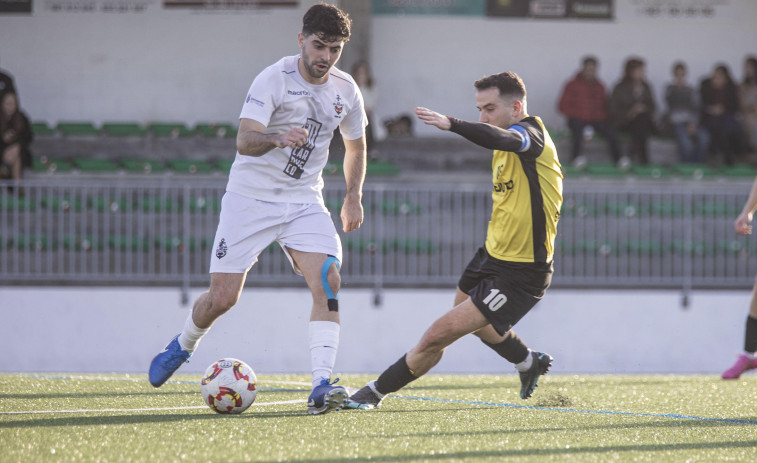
526,144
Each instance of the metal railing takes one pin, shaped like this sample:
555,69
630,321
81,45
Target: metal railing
159,232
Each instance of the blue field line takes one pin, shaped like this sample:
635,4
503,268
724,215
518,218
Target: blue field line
464,402
576,410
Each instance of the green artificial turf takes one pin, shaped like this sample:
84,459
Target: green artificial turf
121,418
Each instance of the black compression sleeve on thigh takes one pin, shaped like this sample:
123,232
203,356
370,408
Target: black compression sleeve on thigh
395,377
512,349
750,340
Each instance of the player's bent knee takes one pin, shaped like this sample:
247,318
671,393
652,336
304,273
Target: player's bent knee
331,280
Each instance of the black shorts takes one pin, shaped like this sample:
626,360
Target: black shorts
504,291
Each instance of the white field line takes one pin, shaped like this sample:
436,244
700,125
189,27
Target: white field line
132,410
141,380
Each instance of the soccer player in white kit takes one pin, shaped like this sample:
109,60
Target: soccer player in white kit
274,193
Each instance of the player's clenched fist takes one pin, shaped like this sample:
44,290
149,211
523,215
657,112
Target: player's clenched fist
294,138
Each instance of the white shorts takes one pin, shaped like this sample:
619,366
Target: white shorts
247,226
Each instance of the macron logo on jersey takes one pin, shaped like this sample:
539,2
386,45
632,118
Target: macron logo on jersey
250,99
298,92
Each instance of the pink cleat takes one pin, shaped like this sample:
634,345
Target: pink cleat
743,363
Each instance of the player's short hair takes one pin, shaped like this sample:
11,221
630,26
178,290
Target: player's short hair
589,60
508,83
328,22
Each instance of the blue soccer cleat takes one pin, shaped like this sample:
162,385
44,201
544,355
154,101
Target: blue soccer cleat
529,379
167,362
326,397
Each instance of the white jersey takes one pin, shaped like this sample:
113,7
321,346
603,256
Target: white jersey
280,99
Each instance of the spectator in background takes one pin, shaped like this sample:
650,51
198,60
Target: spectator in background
682,117
6,84
584,103
748,101
632,106
719,109
15,138
361,72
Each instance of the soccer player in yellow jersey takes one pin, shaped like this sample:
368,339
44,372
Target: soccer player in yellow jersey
511,273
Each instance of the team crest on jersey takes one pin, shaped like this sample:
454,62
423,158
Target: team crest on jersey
338,106
222,248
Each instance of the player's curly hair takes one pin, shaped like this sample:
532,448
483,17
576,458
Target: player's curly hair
327,21
508,83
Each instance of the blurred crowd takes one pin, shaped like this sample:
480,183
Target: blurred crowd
712,122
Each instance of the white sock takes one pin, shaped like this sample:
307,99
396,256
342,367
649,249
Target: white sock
324,342
751,355
526,364
190,336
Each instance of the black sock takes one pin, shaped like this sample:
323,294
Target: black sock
750,340
395,377
512,348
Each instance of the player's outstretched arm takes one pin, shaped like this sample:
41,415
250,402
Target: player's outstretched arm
253,141
354,176
429,117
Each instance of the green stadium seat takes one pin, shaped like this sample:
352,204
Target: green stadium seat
696,248
604,171
414,245
51,165
31,243
667,208
190,166
224,165
644,247
571,171
624,209
143,166
365,245
102,204
400,207
124,129
80,243
21,203
202,204
64,204
650,171
41,129
739,171
129,243
175,243
694,171
716,209
381,168
78,129
334,205
216,130
169,129
96,165
150,204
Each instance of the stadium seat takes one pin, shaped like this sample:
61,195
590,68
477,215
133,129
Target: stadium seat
78,129
21,203
224,165
102,204
739,171
400,207
365,245
169,129
203,204
716,209
32,243
333,168
96,165
80,243
624,209
696,248
667,208
41,129
333,205
143,166
51,165
604,171
64,204
129,243
414,245
216,130
381,168
694,171
190,166
174,243
150,204
123,129
644,247
650,172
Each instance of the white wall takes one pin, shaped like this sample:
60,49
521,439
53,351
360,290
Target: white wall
178,65
121,329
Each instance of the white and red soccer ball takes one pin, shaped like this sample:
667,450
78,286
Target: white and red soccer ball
229,386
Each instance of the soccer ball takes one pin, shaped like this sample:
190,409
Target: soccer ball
229,386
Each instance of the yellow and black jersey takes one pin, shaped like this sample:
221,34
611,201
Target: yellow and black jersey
527,188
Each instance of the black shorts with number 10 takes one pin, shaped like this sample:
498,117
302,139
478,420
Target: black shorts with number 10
504,291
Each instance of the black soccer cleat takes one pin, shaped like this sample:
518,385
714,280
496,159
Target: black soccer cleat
529,379
366,398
